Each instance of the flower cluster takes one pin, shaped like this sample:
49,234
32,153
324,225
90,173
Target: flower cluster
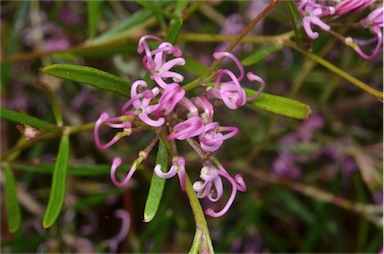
164,107
318,12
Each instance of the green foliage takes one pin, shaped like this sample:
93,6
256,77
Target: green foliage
280,105
90,76
11,201
59,181
157,185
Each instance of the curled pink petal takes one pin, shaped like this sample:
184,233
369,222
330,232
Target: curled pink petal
115,164
253,77
220,55
189,128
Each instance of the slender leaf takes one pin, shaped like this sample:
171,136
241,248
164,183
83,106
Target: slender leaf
297,21
194,66
90,76
54,102
78,170
23,118
137,18
11,201
280,105
157,185
59,179
181,5
92,8
261,54
155,9
174,31
13,40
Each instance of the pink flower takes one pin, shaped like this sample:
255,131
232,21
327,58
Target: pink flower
313,12
348,6
253,77
178,167
117,123
212,137
375,22
231,92
141,104
162,70
212,186
220,55
173,93
202,103
191,127
117,163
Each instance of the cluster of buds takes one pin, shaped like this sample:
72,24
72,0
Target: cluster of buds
165,108
318,12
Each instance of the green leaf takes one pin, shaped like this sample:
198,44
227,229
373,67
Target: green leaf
54,102
297,21
155,9
157,185
261,54
174,30
280,105
59,179
92,8
90,76
11,200
12,42
23,118
133,20
180,7
194,66
78,170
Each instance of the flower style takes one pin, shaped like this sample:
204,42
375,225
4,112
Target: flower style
253,77
202,103
122,122
211,138
212,186
115,164
178,167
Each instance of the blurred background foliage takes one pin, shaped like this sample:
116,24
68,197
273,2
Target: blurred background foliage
327,196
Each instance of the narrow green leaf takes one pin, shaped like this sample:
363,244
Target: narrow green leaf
11,200
194,66
17,117
92,9
280,105
11,44
59,179
261,54
157,185
155,9
174,30
137,18
90,76
78,170
181,5
297,21
54,102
